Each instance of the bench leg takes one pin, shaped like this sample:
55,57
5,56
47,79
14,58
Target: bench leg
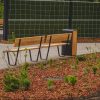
38,52
59,52
9,60
46,54
47,51
31,56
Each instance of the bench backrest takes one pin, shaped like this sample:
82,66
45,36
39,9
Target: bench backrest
57,38
27,41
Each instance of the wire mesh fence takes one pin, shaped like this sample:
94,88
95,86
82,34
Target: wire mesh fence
39,17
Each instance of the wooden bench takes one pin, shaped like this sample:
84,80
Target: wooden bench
38,42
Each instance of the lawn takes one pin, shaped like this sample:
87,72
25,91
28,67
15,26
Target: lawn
75,78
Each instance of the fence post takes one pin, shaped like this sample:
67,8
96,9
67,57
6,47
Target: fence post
5,26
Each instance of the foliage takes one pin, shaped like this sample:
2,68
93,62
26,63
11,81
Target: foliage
1,10
85,70
94,69
41,65
12,39
50,84
24,80
50,62
25,66
70,79
11,83
74,66
81,57
66,79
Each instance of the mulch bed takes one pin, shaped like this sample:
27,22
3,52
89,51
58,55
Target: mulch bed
86,88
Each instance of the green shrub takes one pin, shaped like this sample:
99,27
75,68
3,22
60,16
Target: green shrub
86,71
70,79
81,57
66,79
24,80
11,83
50,84
41,65
74,66
94,69
50,62
24,83
25,66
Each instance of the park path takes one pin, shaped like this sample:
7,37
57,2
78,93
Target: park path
81,49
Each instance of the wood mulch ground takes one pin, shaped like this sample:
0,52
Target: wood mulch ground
87,86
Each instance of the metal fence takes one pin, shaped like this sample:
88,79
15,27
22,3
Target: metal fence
39,17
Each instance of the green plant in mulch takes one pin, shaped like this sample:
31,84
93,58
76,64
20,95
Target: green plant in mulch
24,80
50,62
21,81
70,79
50,84
86,70
41,65
75,65
11,82
81,57
94,69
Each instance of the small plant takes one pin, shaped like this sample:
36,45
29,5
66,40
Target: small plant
66,79
76,61
24,80
74,66
25,54
94,69
25,66
70,79
41,65
11,82
25,83
81,57
85,71
50,62
50,84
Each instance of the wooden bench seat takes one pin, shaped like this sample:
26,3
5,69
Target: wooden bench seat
34,47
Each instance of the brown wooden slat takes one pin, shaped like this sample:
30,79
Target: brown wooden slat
28,41
58,38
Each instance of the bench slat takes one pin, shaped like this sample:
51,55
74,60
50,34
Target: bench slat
35,47
27,41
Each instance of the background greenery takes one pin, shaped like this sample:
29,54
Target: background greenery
1,9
